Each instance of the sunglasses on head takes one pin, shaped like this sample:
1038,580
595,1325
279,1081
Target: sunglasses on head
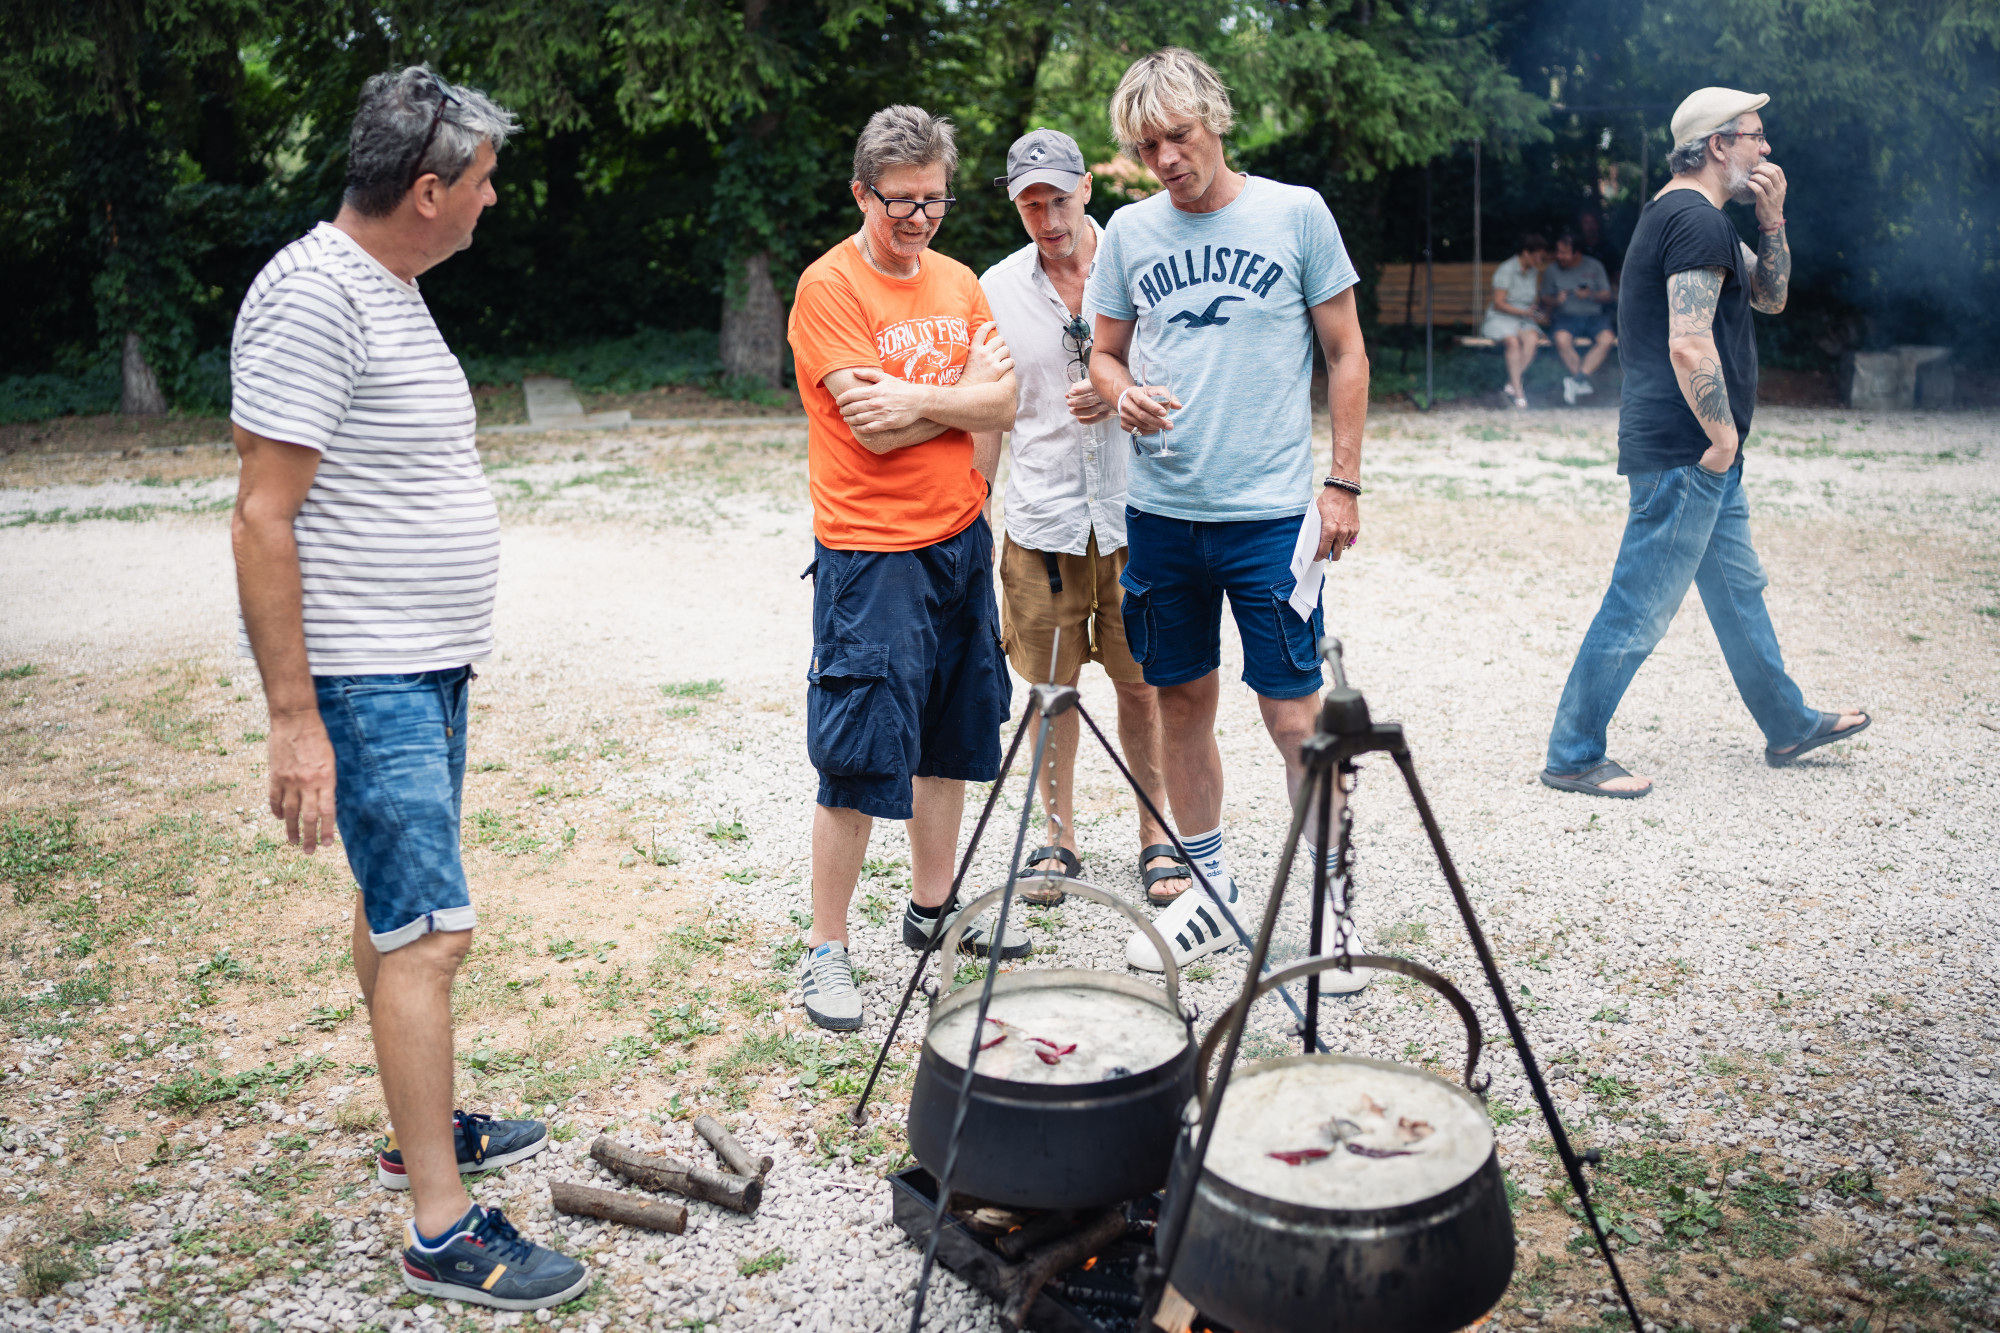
445,96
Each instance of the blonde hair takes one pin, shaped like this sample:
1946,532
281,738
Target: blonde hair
1172,80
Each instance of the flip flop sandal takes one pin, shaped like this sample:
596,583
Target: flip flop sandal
1041,887
1592,783
1826,733
1153,879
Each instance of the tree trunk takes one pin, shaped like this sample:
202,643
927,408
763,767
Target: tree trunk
142,390
753,325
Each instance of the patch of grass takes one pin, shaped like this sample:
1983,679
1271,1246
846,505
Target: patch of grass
1405,935
1859,1184
46,1268
691,689
21,672
168,716
503,833
733,831
1502,1113
195,1089
325,1017
1610,1090
682,1023
875,909
785,954
768,1262
1610,1014
37,847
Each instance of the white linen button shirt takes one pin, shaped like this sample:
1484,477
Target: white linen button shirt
1066,478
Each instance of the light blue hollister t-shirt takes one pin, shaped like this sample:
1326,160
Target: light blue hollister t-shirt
1223,298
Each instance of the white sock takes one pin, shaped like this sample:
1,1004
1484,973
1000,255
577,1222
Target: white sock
1205,851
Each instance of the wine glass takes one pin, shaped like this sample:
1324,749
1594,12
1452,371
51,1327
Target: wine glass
1156,376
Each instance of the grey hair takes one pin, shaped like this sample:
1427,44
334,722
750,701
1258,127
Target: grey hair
391,123
1688,158
904,136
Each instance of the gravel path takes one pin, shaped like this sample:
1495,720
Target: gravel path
1789,973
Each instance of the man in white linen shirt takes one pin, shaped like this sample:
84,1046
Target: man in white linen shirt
1065,542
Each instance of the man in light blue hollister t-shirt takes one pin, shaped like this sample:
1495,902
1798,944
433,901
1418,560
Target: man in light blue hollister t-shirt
1224,278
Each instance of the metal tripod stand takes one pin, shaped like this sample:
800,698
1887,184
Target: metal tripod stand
1046,703
1346,732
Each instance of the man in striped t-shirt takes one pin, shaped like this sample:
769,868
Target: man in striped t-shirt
367,550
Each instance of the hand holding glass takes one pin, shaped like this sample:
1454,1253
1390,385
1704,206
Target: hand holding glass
1156,381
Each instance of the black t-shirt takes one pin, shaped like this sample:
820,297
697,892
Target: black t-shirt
1679,231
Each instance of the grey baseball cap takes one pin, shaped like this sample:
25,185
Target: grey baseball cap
1043,157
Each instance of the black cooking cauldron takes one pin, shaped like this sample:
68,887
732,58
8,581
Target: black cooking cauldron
1053,1145
1429,1266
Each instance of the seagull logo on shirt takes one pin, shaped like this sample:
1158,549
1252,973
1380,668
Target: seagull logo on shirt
1205,318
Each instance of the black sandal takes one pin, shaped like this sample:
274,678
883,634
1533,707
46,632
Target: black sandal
1151,879
1826,732
1592,783
1041,887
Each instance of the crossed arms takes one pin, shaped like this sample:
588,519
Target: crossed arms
887,414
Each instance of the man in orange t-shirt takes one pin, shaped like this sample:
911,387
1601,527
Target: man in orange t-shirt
908,685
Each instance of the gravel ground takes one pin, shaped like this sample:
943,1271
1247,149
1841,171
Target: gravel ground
1779,983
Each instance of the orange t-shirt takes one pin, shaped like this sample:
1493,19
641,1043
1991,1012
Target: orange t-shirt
919,329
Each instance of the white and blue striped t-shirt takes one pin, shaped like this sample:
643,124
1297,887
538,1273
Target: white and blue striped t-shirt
399,540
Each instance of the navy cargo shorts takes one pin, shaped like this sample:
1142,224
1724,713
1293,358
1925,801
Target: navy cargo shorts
908,679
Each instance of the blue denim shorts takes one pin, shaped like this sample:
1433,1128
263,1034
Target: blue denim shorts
908,678
399,780
1174,580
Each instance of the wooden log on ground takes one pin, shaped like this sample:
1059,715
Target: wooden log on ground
728,1149
657,1171
584,1201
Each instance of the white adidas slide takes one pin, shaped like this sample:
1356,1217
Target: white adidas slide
1192,928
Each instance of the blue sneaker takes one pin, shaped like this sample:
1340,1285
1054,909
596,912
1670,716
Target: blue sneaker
486,1262
484,1144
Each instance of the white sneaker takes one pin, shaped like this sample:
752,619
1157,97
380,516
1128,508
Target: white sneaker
1192,928
826,980
1569,391
1346,981
1584,388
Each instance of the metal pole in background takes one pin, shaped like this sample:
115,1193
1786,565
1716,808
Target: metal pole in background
1430,297
1478,278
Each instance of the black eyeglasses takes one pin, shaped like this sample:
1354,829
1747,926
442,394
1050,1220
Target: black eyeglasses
445,96
1076,340
933,208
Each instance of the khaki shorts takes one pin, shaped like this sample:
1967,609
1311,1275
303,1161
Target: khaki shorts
1086,611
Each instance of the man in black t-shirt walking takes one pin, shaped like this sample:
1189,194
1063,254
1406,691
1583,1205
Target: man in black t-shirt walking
1690,357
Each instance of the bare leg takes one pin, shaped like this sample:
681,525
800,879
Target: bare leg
409,1007
1516,363
1139,737
1600,348
938,809
1566,349
839,845
1191,759
1290,723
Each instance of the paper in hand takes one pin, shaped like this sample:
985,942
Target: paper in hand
1309,572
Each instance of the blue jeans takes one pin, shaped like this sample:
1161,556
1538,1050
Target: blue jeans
398,779
1687,525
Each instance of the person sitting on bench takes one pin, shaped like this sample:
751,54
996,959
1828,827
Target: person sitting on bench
1511,319
1574,290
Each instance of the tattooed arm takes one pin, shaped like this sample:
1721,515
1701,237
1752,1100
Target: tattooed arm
1691,300
1770,272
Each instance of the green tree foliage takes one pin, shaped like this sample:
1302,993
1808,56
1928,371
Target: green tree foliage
684,159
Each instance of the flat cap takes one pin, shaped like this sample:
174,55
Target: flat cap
1708,109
